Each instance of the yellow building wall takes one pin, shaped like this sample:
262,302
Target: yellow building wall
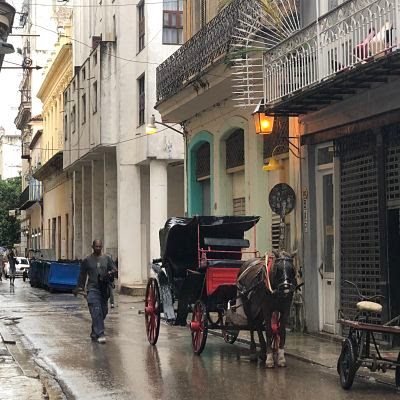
57,218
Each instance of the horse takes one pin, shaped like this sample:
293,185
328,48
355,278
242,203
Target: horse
266,286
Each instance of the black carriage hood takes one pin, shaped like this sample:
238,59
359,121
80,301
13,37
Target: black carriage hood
178,238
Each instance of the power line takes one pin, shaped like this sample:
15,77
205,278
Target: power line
87,45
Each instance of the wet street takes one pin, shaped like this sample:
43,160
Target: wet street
56,327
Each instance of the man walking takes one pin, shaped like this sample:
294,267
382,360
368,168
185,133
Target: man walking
12,269
98,269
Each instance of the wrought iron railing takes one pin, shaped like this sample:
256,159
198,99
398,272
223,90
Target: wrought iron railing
353,33
202,50
31,194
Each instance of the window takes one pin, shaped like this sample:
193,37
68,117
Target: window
141,24
94,97
83,74
65,127
95,58
173,22
73,116
142,100
83,108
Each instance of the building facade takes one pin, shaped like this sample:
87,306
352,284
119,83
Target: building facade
57,184
10,155
36,50
225,156
125,183
344,91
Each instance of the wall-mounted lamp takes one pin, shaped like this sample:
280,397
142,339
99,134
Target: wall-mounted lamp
151,127
273,163
264,124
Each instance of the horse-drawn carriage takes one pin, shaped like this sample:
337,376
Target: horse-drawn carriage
199,264
201,258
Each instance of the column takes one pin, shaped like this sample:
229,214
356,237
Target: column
110,205
98,199
129,231
77,216
86,209
158,203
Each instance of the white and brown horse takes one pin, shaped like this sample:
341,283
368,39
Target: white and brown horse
266,286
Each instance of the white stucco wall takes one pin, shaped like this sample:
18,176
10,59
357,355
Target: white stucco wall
10,155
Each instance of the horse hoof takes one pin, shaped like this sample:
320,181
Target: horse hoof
270,363
281,364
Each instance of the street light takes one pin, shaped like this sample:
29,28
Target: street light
273,163
151,127
264,124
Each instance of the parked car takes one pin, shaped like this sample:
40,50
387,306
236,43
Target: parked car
22,268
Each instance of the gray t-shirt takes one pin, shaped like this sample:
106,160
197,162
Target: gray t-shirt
93,266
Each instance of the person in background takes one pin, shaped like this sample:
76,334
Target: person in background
98,270
12,266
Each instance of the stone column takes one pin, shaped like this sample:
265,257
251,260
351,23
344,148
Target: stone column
98,199
129,230
110,205
77,216
86,209
158,203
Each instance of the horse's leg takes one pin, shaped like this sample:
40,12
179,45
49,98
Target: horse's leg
253,347
270,363
263,344
282,336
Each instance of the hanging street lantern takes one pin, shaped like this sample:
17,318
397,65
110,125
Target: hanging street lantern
264,124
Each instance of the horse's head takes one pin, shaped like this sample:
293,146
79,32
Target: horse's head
283,274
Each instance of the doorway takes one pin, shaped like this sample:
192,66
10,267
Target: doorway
326,238
393,221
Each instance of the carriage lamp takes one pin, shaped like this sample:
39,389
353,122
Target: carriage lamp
6,48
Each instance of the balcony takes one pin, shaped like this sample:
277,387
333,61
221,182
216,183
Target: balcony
350,49
24,114
30,195
206,48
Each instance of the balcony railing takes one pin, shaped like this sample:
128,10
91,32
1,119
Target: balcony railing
353,34
31,194
202,50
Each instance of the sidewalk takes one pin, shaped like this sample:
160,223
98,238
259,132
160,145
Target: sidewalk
14,383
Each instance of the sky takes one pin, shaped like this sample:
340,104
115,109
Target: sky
10,79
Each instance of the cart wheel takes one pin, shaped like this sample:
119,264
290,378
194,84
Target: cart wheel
152,311
397,374
199,327
347,364
230,336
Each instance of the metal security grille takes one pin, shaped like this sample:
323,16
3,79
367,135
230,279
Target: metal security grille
203,161
235,149
278,141
392,169
360,237
239,206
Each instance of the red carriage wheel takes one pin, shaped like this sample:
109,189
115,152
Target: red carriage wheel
199,327
152,311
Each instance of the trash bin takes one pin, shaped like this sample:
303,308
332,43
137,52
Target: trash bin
63,276
34,269
45,275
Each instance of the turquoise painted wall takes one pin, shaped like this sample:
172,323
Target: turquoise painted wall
195,194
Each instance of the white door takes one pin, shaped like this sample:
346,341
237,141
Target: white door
326,246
